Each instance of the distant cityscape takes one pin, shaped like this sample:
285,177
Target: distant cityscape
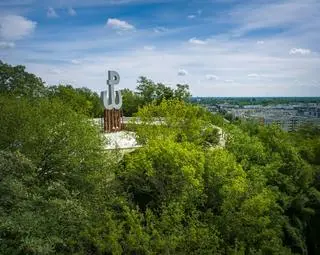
289,115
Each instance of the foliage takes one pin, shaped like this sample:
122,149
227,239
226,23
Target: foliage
182,192
15,81
45,170
179,120
149,92
81,100
164,180
131,102
161,172
35,218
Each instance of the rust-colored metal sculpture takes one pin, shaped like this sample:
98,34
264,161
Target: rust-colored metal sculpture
112,101
112,120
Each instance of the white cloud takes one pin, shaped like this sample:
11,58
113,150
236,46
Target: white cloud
149,47
295,51
192,16
160,29
228,58
51,13
13,27
253,75
231,61
72,12
254,16
75,62
7,45
211,77
260,42
197,41
182,72
119,24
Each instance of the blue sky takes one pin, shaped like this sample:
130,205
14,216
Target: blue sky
218,47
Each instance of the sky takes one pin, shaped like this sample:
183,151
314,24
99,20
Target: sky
218,47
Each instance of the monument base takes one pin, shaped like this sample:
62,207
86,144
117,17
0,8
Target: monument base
113,120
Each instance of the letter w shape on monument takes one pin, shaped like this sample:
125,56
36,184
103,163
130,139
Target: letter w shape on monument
112,99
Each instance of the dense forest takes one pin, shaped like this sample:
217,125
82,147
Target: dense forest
180,193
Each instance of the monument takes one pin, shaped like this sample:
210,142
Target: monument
112,102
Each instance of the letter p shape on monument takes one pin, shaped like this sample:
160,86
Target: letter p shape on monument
112,99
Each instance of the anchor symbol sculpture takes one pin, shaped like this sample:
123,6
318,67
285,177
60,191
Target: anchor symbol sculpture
112,99
112,102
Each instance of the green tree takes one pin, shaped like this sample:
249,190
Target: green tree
164,179
163,92
36,218
148,92
51,156
182,92
160,172
14,80
146,89
131,102
81,100
179,120
274,155
245,209
307,141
